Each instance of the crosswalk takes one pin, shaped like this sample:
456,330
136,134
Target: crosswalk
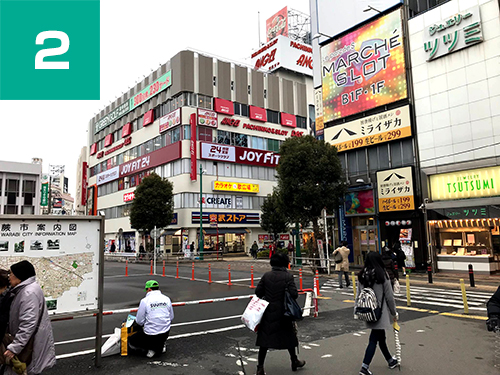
476,300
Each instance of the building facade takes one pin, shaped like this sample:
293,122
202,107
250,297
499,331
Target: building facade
20,186
196,112
81,183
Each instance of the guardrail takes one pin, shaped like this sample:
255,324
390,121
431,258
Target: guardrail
178,256
314,263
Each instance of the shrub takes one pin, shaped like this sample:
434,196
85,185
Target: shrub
263,254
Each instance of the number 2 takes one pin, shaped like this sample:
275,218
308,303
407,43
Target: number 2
40,38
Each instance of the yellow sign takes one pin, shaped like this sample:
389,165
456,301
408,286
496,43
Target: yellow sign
235,186
370,130
395,190
473,183
319,125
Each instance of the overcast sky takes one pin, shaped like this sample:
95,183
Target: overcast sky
136,36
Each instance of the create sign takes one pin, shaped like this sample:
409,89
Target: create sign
235,187
395,190
240,155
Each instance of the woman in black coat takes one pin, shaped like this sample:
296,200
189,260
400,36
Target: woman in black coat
275,330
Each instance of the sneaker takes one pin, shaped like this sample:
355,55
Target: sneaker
164,348
365,371
150,354
393,362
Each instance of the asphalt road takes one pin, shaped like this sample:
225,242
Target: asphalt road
437,337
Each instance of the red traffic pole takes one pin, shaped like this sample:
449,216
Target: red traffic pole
251,276
192,272
177,272
317,284
300,280
126,267
209,273
229,273
151,268
163,269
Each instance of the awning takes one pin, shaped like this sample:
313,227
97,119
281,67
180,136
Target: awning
489,201
224,230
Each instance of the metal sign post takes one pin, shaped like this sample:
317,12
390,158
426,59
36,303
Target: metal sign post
100,297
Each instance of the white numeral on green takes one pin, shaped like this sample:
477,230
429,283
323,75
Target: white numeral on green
40,39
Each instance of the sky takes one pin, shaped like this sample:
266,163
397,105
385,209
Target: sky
136,36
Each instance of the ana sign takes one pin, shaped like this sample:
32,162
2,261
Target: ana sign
395,190
153,89
111,117
456,32
474,183
170,120
370,130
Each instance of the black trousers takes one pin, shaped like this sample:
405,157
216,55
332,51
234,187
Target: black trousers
148,342
376,336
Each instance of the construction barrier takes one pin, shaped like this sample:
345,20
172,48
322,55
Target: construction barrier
126,267
229,274
300,279
209,273
251,278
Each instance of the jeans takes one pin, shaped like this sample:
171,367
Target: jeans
263,352
376,336
346,275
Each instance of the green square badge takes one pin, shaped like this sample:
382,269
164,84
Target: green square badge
49,50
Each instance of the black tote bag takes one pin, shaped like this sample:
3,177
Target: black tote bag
292,308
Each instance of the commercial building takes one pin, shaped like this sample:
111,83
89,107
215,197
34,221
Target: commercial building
197,112
20,186
81,183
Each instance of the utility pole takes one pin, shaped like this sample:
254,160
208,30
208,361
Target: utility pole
201,213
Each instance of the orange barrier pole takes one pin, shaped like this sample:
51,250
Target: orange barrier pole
251,276
126,267
317,284
192,272
209,273
163,269
229,273
151,268
177,272
300,280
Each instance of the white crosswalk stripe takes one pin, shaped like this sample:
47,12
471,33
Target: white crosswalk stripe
425,295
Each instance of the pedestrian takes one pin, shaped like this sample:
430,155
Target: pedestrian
272,249
400,256
343,267
373,276
276,331
29,322
493,311
389,265
113,247
155,315
290,249
142,251
5,302
254,249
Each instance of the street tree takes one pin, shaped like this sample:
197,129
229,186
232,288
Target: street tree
273,220
153,204
310,178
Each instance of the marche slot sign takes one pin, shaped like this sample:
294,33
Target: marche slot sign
395,190
364,69
473,183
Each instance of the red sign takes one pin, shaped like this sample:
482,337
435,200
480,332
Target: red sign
223,106
277,24
192,146
152,160
266,59
148,118
257,113
93,149
230,122
128,197
288,120
170,120
263,237
127,130
108,141
207,117
84,183
126,142
284,237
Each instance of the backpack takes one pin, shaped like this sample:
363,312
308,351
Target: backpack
338,257
366,307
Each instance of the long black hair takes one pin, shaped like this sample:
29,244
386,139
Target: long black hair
373,271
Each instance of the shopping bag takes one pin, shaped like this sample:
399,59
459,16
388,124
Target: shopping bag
292,308
254,312
112,344
396,287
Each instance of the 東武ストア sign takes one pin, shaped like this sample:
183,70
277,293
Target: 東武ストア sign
473,183
454,33
370,130
153,89
395,190
226,217
111,117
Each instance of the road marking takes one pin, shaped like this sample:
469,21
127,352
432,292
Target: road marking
117,276
68,355
206,321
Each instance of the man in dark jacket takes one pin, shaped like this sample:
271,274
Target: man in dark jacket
389,265
275,330
493,308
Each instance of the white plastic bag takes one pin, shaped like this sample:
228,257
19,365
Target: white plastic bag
396,287
112,344
254,312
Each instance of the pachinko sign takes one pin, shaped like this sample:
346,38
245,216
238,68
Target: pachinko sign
277,24
364,69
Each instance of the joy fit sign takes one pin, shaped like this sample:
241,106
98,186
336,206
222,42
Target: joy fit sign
54,55
240,155
473,183
395,190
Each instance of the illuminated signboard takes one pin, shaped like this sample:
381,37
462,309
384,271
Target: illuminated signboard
129,197
473,183
364,69
235,187
395,190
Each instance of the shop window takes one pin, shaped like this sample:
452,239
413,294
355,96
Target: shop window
352,164
240,140
186,132
273,116
383,156
223,137
204,101
204,134
373,159
176,135
241,109
301,122
407,149
396,157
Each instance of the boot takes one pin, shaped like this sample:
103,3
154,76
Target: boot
260,370
297,363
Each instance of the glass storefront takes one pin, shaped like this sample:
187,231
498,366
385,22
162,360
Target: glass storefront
365,237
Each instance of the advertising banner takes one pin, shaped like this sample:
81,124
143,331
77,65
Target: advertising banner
318,107
129,197
111,117
152,160
240,155
212,151
107,176
223,106
258,114
395,190
472,183
288,120
207,117
370,130
148,118
84,184
364,69
153,89
238,187
65,254
192,146
170,120
277,24
44,198
227,217
57,203
359,203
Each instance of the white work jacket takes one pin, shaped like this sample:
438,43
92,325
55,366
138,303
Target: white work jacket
155,313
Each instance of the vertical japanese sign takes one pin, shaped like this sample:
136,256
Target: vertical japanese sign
395,190
44,198
364,69
84,183
192,146
459,31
